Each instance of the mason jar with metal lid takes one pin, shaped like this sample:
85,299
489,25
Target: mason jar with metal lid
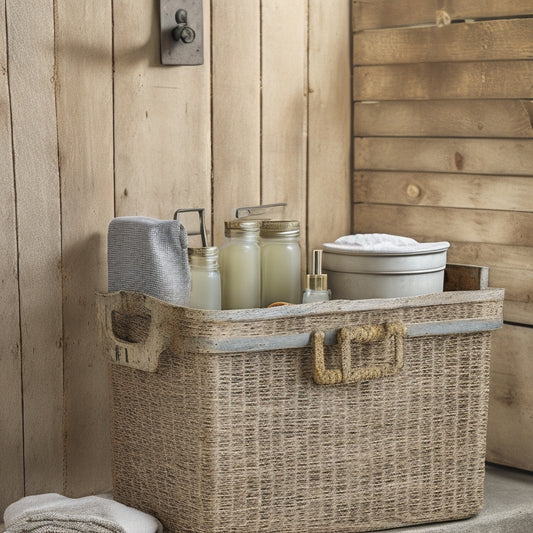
280,262
205,278
240,265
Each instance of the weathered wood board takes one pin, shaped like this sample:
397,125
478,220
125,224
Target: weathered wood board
162,119
440,223
30,30
11,420
518,312
284,109
236,90
329,138
471,156
512,257
390,13
444,118
451,80
479,41
475,191
510,424
85,133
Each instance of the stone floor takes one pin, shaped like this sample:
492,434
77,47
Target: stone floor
508,507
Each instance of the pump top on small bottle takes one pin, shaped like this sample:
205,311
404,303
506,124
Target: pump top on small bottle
317,282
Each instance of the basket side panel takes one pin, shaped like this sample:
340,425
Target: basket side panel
296,456
162,433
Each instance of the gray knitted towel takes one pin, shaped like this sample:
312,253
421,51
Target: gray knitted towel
149,256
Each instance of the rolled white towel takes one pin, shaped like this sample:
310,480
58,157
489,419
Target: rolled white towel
53,513
382,243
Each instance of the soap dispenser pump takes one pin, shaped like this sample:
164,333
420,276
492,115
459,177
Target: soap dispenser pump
317,283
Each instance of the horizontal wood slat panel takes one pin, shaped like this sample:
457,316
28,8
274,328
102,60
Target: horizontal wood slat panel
518,312
444,118
518,284
390,13
479,41
491,255
468,80
444,190
440,223
471,156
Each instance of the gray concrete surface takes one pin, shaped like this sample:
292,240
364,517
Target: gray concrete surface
508,507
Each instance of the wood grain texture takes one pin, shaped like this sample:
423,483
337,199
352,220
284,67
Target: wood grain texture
236,89
85,136
444,118
518,312
389,13
471,156
284,108
510,424
423,81
162,119
518,257
11,429
468,191
31,75
518,284
479,41
510,267
439,223
329,141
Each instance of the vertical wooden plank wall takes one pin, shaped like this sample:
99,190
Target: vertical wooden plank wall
30,30
11,428
443,146
92,127
284,107
83,42
328,160
162,119
236,108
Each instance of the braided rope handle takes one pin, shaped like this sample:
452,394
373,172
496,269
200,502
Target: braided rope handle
360,334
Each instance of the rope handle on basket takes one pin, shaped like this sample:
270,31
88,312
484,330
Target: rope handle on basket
360,334
141,353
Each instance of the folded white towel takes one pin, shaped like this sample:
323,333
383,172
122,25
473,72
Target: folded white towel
53,513
383,243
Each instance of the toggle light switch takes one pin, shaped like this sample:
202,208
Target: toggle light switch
182,35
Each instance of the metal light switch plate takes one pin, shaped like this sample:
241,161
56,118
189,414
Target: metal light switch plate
182,32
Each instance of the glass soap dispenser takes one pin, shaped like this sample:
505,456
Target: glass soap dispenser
317,283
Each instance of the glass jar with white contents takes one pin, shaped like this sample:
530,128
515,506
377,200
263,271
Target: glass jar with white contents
205,278
240,265
280,262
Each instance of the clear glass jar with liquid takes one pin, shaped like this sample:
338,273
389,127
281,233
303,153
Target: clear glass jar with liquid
280,262
205,278
240,265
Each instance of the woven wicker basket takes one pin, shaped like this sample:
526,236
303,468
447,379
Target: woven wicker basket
339,416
